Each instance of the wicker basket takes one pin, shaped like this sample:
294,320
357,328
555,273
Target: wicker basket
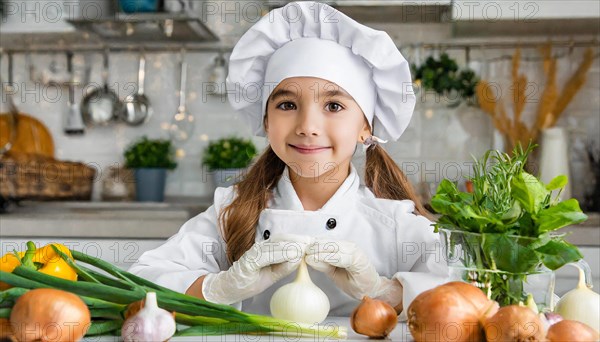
28,176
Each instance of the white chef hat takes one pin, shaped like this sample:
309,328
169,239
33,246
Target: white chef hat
315,40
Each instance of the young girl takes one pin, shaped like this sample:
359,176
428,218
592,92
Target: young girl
315,83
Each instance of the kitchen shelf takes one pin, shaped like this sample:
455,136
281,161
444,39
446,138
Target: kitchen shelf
121,32
390,11
148,27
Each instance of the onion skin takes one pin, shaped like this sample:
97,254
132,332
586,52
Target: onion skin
373,318
514,323
49,315
571,331
450,312
5,328
581,304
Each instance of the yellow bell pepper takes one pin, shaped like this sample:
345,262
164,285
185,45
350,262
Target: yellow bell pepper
45,259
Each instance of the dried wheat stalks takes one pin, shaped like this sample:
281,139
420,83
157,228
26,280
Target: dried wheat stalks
487,103
519,85
520,132
572,87
550,107
549,97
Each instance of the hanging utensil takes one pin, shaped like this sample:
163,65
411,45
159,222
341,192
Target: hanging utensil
24,134
13,112
137,106
102,106
182,124
73,121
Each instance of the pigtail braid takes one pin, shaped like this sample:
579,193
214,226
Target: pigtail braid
386,179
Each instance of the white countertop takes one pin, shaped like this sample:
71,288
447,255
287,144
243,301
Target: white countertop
147,220
400,333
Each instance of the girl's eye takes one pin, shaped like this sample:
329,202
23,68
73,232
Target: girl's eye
334,107
286,106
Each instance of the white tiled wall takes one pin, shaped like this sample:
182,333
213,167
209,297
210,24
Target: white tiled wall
438,142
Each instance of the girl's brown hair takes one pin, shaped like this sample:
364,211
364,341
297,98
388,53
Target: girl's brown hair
240,218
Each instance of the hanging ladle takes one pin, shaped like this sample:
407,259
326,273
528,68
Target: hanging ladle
182,124
102,106
137,106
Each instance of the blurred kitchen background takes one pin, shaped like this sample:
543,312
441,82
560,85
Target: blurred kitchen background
532,55
479,36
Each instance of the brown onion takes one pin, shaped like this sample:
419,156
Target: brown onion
449,312
374,318
49,315
5,328
514,323
572,331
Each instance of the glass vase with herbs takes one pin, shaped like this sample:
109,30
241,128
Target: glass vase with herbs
502,237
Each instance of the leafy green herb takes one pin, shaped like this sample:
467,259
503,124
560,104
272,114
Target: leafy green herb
147,153
508,219
229,153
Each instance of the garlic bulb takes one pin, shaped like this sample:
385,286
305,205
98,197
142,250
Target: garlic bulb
581,304
151,323
301,300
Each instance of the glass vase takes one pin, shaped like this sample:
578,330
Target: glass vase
471,259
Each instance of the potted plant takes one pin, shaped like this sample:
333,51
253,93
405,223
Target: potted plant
443,77
227,158
501,236
150,159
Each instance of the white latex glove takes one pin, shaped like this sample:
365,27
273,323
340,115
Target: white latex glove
261,266
351,270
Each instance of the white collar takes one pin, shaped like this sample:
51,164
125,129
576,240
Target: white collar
286,198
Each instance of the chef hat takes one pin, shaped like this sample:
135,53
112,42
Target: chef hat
315,40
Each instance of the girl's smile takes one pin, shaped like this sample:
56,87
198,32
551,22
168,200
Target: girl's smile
309,149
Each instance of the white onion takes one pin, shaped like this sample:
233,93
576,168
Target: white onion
301,300
581,304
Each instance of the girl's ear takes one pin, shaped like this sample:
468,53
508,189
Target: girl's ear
365,132
266,123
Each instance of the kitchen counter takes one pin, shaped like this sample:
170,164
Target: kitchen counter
154,220
100,219
400,333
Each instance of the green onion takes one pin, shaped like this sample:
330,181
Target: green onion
104,327
80,271
107,297
83,288
5,313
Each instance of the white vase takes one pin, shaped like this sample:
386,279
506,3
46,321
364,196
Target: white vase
554,157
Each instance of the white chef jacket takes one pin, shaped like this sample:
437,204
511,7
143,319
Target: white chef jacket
400,244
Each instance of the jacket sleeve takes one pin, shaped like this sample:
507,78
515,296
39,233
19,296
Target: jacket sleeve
197,249
421,261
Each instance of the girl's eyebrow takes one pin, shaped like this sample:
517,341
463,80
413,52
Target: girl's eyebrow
282,93
337,92
328,93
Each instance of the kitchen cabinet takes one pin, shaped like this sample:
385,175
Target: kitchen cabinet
466,10
39,16
472,19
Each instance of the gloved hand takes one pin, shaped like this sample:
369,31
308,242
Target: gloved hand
351,270
261,266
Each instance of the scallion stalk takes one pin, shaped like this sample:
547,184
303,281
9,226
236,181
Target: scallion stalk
5,312
104,327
